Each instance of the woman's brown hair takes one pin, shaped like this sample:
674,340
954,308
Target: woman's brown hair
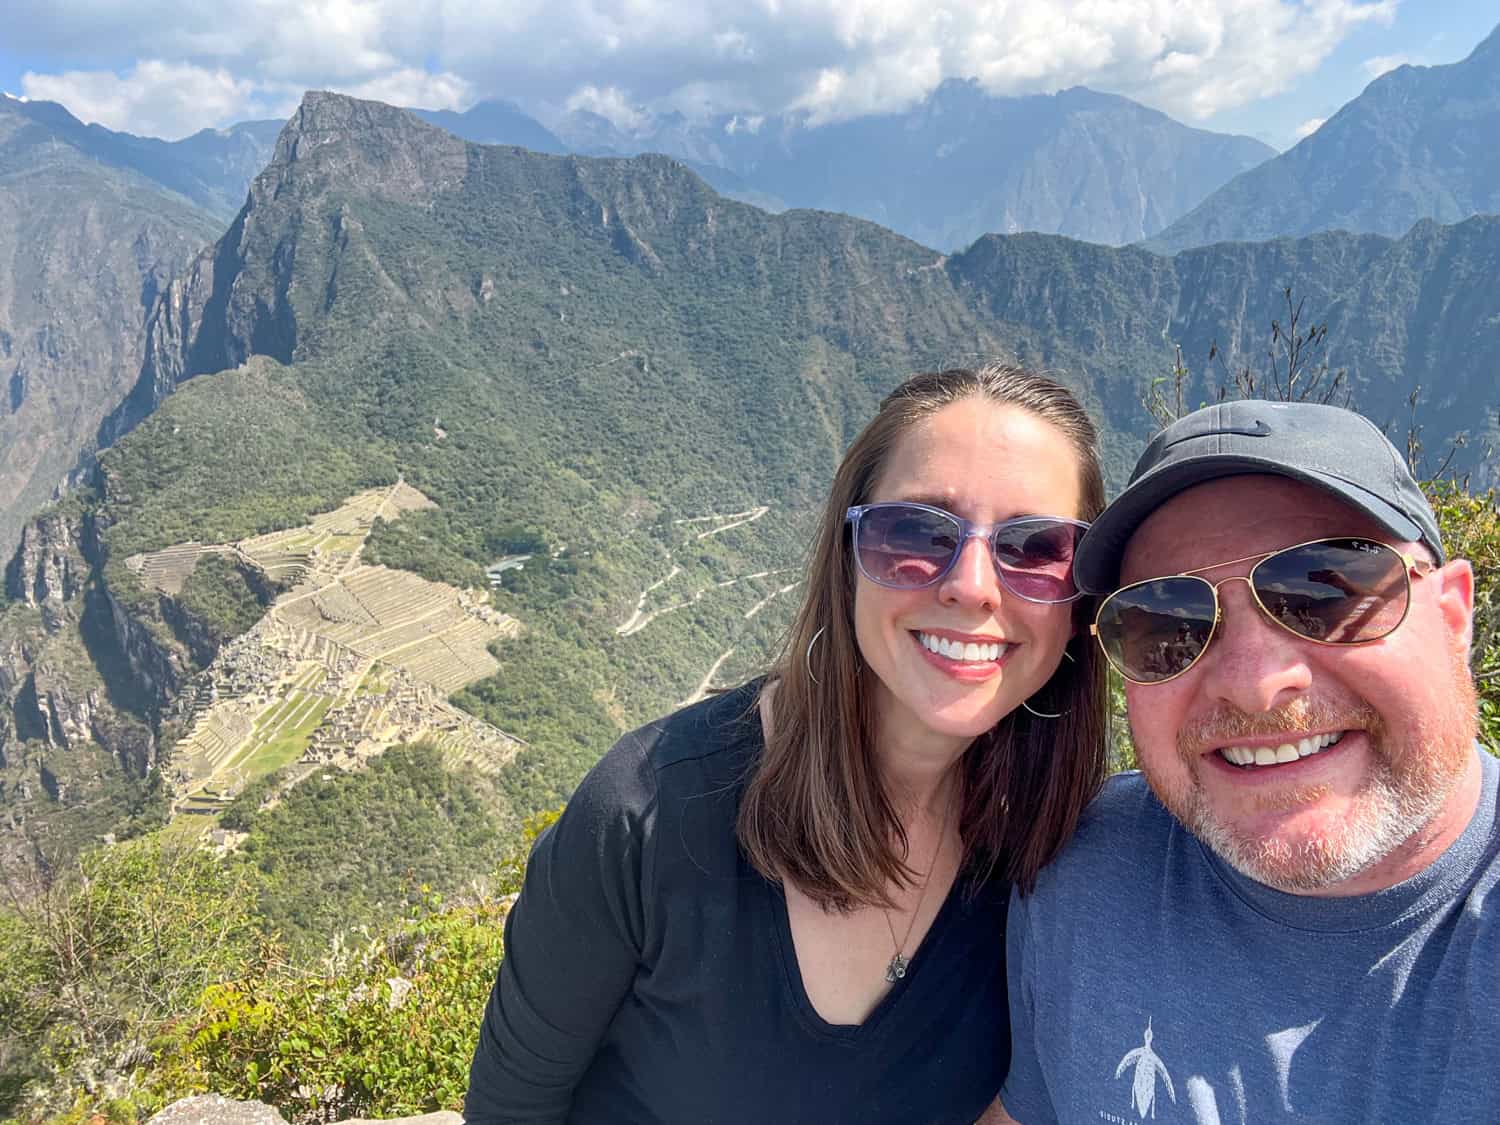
814,809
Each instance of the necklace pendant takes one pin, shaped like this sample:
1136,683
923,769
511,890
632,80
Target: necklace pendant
896,970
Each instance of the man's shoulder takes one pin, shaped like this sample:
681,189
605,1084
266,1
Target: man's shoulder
1125,811
1121,829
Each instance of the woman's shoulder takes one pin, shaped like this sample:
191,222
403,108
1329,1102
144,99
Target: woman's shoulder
710,742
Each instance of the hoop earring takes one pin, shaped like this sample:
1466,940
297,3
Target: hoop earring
807,656
1048,714
1042,714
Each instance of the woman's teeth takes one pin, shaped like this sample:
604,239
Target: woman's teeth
1280,755
960,650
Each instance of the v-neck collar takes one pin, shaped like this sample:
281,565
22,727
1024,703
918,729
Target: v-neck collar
775,903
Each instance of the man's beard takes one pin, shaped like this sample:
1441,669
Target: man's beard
1406,788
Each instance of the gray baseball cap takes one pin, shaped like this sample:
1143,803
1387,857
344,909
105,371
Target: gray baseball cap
1334,449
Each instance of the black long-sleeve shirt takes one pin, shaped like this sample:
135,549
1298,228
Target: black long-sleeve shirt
650,976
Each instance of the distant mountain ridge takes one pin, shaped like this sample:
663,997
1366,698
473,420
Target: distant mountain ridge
960,164
208,169
1418,143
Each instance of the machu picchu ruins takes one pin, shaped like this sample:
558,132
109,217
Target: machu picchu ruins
351,659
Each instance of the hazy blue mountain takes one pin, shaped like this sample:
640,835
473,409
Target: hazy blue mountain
962,163
211,169
1418,143
495,123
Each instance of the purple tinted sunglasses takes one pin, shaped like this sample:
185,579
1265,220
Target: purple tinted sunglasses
908,546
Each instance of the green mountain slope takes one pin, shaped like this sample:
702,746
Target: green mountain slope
209,170
1418,143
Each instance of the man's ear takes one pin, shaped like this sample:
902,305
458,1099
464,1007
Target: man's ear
1456,600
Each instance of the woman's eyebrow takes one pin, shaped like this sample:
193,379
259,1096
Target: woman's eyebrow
932,500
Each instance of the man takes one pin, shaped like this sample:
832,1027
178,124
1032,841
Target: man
1291,913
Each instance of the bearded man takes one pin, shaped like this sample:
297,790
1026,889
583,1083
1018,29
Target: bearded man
1287,915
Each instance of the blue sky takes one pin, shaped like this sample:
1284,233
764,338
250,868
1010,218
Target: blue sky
1269,68
1424,34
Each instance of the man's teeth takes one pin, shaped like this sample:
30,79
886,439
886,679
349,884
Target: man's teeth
1286,752
959,650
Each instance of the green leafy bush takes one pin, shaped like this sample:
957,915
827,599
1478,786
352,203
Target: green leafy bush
384,1029
1471,530
96,960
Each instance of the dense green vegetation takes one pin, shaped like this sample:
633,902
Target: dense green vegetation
225,596
345,849
1471,530
107,962
98,958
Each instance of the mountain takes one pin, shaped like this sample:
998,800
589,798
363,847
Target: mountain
210,170
541,435
495,123
960,164
1418,143
85,247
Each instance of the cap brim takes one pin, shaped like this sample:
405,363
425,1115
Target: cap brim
1096,564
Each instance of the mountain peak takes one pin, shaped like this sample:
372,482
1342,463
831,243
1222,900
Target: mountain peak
1488,49
389,150
1416,144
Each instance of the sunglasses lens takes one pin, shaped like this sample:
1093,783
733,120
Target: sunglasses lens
906,546
1155,630
1035,558
1340,591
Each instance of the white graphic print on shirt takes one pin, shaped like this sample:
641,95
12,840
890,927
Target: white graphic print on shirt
1143,1085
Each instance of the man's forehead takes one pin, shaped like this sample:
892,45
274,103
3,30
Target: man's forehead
1234,516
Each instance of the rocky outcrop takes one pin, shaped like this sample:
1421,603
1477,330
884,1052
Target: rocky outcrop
48,569
158,668
214,1109
52,687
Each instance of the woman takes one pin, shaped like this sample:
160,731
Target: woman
787,903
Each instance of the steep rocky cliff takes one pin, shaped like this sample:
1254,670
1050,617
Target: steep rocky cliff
239,297
85,248
85,683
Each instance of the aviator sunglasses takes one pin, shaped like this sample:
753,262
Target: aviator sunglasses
1347,591
908,546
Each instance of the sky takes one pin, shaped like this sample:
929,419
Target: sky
1274,69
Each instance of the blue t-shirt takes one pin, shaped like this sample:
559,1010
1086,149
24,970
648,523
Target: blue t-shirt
1149,981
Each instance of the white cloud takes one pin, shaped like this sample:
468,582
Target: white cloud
831,58
610,104
154,98
1309,127
412,87
748,123
1382,64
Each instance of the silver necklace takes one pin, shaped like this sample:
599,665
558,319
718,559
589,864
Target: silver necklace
899,962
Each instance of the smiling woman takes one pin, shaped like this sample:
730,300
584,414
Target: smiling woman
788,902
